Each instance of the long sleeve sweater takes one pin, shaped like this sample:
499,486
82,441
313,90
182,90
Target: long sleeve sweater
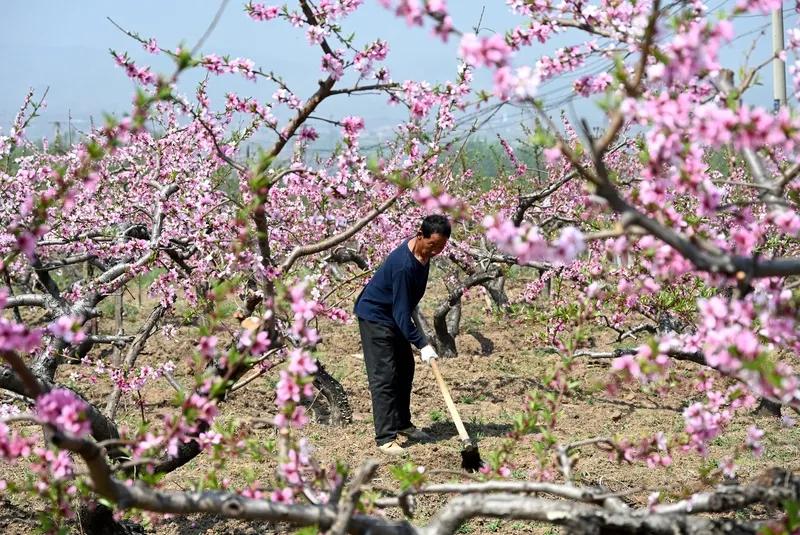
394,291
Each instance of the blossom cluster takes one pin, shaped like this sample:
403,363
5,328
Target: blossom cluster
65,411
527,244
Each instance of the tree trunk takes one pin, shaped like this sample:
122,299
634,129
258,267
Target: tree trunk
338,408
453,320
446,337
768,408
497,291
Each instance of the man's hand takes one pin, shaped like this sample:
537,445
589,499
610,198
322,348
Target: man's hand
427,354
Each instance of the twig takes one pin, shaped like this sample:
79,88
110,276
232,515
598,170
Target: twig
210,28
348,503
25,417
172,382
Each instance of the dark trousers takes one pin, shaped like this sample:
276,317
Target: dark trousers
390,371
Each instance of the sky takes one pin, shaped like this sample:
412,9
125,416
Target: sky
64,46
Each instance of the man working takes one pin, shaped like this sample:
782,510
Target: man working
384,310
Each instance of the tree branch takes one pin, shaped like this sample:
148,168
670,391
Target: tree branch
145,331
348,503
313,248
28,300
527,201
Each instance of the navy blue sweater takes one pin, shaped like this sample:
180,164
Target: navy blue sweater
393,293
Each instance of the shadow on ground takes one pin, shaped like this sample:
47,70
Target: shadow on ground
217,525
487,346
447,430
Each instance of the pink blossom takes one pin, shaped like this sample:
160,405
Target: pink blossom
490,51
434,202
290,470
627,363
333,66
787,220
301,363
26,242
65,411
437,6
352,125
471,49
244,66
411,11
284,495
569,245
205,409
315,34
261,12
761,6
12,445
728,467
308,133
753,440
68,329
151,46
17,337
215,64
287,389
527,83
208,346
527,244
297,420
60,464
495,51
260,344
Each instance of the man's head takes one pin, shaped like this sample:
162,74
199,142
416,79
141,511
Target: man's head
433,235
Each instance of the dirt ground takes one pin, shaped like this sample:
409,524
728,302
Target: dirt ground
500,361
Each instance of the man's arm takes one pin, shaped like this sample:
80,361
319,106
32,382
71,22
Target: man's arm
401,309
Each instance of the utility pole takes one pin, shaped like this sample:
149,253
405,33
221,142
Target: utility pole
778,66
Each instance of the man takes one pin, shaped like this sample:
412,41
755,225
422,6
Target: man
384,310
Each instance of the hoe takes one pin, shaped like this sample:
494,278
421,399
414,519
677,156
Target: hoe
470,457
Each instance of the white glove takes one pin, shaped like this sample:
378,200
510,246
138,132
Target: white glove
427,354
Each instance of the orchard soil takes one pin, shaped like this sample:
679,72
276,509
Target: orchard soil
501,359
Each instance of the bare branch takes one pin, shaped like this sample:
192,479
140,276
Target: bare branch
173,383
644,327
790,174
348,503
577,517
507,259
445,338
145,331
522,487
527,201
28,300
77,259
45,278
119,340
357,89
320,246
692,356
342,255
772,487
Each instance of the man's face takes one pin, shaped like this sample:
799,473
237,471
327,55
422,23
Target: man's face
431,246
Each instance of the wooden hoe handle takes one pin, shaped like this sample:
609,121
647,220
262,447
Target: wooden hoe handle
462,432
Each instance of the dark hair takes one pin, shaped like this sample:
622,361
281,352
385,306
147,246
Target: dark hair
435,224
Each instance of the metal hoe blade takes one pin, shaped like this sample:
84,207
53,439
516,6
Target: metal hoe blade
471,458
